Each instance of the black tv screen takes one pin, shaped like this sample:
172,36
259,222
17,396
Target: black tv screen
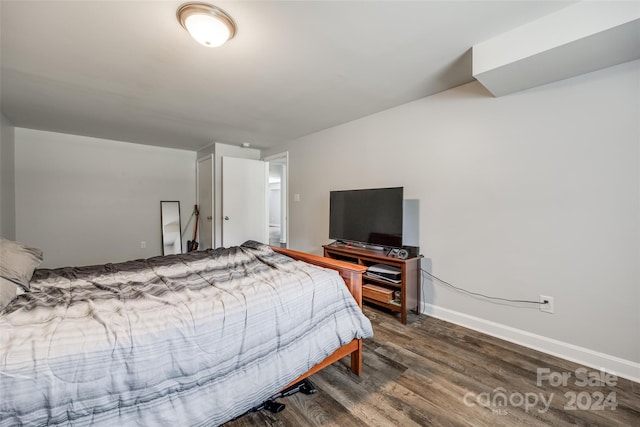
372,216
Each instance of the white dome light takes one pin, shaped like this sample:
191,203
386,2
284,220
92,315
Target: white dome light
208,25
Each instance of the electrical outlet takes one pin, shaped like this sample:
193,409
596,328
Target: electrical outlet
546,304
143,244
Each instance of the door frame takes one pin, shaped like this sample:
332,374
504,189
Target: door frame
284,195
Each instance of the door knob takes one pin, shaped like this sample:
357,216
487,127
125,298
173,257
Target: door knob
226,218
209,218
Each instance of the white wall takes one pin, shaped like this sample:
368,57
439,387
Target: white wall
7,179
533,193
87,201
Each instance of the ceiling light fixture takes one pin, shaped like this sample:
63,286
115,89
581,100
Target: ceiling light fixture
207,24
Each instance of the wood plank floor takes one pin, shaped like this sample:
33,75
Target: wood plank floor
431,372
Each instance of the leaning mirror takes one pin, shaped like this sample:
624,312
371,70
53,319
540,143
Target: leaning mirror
170,223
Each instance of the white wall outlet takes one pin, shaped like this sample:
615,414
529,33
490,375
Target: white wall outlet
296,197
546,304
143,244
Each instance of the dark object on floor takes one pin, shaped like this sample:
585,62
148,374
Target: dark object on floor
305,387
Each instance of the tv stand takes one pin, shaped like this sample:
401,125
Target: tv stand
379,291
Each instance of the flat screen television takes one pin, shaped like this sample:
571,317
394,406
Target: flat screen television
371,216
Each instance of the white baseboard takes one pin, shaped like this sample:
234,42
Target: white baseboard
584,356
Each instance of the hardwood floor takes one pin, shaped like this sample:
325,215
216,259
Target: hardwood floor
431,372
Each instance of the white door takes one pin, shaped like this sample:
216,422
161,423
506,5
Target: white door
244,201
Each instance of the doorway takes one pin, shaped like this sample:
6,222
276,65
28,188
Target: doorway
205,201
277,199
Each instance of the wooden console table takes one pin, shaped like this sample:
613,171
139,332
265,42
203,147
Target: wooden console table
379,291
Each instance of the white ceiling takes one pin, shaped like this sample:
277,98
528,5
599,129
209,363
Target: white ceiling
127,70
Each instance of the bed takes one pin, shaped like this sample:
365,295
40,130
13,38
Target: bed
193,339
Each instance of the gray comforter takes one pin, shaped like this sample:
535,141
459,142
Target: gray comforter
192,339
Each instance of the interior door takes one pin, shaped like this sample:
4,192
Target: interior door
244,201
205,202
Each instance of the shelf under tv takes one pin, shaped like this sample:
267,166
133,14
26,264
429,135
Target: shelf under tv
409,285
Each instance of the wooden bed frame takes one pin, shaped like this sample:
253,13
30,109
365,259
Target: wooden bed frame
352,275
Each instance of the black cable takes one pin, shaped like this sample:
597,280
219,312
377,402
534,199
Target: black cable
478,294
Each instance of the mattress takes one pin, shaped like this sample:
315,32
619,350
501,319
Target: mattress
191,339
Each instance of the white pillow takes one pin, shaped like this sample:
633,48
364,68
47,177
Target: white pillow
8,291
17,262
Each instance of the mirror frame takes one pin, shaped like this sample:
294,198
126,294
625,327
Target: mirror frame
166,204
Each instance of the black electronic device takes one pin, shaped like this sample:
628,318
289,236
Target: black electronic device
398,253
370,216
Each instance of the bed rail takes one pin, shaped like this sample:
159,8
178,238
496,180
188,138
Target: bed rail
352,275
